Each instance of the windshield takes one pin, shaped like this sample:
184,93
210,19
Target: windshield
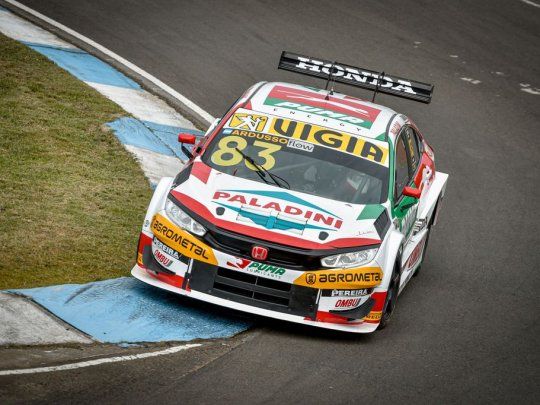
304,166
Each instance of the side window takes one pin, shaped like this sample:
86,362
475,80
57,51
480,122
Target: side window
412,149
402,167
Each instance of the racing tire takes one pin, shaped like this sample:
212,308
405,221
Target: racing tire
423,253
391,297
430,225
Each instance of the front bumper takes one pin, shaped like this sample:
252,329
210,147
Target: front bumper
176,260
356,326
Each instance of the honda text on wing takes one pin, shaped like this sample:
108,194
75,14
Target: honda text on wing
299,204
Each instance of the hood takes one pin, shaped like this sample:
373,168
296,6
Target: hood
278,215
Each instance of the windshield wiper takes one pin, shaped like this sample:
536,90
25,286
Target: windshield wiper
259,170
262,172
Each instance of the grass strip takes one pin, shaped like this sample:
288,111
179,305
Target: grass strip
72,199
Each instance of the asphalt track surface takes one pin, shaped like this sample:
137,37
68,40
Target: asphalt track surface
466,329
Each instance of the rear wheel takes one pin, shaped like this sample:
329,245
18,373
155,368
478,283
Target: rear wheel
423,253
432,219
391,297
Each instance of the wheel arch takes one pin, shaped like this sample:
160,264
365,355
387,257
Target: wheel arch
392,249
431,203
158,201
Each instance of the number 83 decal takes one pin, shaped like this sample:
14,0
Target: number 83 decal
227,155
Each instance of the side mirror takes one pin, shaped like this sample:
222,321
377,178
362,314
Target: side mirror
190,140
186,138
412,192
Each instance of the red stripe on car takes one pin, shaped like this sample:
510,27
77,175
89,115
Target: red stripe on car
201,171
171,279
323,316
144,240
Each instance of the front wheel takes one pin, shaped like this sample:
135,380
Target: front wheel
391,297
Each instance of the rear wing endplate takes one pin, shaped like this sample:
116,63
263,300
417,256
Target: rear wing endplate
354,76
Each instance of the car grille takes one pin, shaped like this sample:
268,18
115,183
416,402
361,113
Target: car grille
253,290
278,255
243,284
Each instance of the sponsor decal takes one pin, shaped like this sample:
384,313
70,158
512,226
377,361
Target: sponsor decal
416,254
305,146
293,134
412,150
270,219
341,141
293,210
171,252
181,241
240,263
347,293
349,277
373,316
280,139
347,110
406,223
363,277
261,268
355,75
250,122
161,258
258,135
258,268
396,126
349,303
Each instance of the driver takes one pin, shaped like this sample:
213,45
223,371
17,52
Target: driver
352,183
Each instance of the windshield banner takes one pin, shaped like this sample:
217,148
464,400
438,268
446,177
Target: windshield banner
303,136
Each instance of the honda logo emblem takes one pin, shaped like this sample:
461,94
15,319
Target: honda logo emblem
259,252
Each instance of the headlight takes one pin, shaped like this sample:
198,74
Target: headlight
182,219
352,259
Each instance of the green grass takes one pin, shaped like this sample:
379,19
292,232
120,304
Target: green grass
72,199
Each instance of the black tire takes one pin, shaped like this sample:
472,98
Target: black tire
423,253
427,239
391,297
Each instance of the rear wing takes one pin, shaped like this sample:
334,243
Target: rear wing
354,76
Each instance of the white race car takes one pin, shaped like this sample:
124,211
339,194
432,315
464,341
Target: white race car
299,204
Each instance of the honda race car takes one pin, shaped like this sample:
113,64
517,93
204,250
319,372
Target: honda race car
299,204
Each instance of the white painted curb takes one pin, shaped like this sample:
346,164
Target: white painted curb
182,99
23,323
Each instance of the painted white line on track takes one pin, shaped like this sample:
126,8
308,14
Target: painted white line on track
529,90
526,87
188,103
531,3
97,362
471,80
